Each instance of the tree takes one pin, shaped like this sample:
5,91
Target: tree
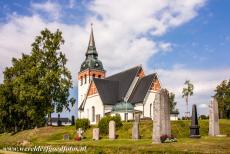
223,97
55,79
36,84
187,91
172,102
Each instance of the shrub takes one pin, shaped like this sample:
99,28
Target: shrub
104,123
82,123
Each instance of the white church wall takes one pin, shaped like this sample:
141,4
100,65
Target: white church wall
139,107
108,108
122,115
82,89
149,99
91,101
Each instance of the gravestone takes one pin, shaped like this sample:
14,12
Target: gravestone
137,117
98,117
66,136
80,133
135,131
59,122
156,120
161,116
194,128
73,120
214,128
112,130
96,134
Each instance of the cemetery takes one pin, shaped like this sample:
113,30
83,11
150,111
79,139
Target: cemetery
159,134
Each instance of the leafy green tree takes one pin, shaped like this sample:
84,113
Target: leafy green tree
186,92
36,84
223,97
55,78
172,102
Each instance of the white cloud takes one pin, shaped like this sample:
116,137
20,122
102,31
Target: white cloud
165,46
204,81
51,9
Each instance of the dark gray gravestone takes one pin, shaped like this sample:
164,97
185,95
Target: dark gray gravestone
59,123
73,121
194,128
66,136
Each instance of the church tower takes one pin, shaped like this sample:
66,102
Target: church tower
91,68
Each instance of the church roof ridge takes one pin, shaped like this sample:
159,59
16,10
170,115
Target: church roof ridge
137,66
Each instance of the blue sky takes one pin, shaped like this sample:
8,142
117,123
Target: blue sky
188,39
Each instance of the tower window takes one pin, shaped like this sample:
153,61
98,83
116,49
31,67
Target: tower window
81,80
85,78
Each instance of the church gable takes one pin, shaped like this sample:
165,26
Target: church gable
141,73
92,89
141,89
155,86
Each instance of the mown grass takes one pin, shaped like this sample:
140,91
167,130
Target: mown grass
124,144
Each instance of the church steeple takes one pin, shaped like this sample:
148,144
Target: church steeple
91,46
91,59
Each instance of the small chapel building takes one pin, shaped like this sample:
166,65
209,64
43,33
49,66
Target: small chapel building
125,93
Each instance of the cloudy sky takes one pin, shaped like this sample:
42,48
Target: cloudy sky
179,39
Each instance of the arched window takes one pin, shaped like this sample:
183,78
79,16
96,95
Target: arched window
81,80
99,76
93,114
150,110
93,75
85,78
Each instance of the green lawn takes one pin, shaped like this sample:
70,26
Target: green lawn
124,144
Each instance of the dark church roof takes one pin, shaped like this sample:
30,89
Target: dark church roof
142,88
108,90
114,88
125,80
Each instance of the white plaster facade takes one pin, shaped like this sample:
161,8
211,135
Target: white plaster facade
83,88
93,101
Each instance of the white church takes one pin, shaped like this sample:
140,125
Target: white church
126,93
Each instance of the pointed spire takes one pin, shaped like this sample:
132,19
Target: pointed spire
91,46
91,39
91,59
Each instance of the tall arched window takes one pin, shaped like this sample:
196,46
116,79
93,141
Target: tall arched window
85,78
81,80
150,110
93,114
